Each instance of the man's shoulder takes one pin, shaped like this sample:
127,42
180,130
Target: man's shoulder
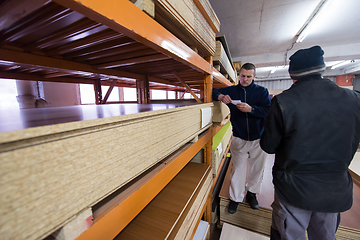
260,88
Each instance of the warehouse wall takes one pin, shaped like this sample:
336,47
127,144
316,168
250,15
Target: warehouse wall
61,94
356,82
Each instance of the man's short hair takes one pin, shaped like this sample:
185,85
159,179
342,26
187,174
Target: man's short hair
248,66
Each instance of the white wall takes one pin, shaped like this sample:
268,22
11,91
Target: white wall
61,94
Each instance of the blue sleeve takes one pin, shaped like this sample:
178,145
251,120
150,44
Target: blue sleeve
217,91
262,109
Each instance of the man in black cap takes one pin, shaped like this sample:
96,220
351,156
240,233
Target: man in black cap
314,130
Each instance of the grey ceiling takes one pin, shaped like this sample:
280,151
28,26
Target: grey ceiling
262,31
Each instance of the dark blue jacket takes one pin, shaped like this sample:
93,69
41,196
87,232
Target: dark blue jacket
247,126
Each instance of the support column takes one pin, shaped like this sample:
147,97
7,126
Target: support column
98,94
208,83
121,94
26,93
143,90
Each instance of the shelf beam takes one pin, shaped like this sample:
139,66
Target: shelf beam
123,16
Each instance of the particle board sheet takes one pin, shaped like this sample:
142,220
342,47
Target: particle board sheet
177,204
185,21
220,111
231,232
245,217
214,20
185,227
220,143
50,172
223,60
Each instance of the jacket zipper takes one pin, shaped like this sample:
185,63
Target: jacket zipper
247,119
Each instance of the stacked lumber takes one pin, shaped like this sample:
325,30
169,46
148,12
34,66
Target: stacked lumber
231,232
51,173
222,60
173,213
192,21
245,217
220,111
221,141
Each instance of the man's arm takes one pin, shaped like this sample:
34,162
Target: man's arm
273,129
220,94
263,109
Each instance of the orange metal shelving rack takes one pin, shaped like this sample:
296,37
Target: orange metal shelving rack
153,55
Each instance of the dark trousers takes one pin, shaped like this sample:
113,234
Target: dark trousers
289,222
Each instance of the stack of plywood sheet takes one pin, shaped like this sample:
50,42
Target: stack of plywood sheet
220,112
222,60
255,220
173,213
221,141
231,232
51,172
192,21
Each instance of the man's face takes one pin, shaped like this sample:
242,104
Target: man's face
246,77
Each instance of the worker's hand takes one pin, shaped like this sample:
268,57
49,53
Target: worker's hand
224,98
244,107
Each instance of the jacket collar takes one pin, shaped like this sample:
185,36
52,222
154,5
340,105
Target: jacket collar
252,84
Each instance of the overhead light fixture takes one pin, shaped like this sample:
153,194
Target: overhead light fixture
304,31
273,70
341,64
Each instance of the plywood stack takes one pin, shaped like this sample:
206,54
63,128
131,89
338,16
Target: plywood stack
192,21
222,60
220,112
51,173
257,221
221,141
173,213
231,232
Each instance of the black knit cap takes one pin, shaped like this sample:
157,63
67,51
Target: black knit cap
305,62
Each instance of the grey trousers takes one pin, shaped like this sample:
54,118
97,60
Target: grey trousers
291,223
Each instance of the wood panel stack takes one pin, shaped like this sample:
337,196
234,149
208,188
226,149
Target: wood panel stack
221,141
51,173
222,60
245,217
192,21
173,213
220,112
231,232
